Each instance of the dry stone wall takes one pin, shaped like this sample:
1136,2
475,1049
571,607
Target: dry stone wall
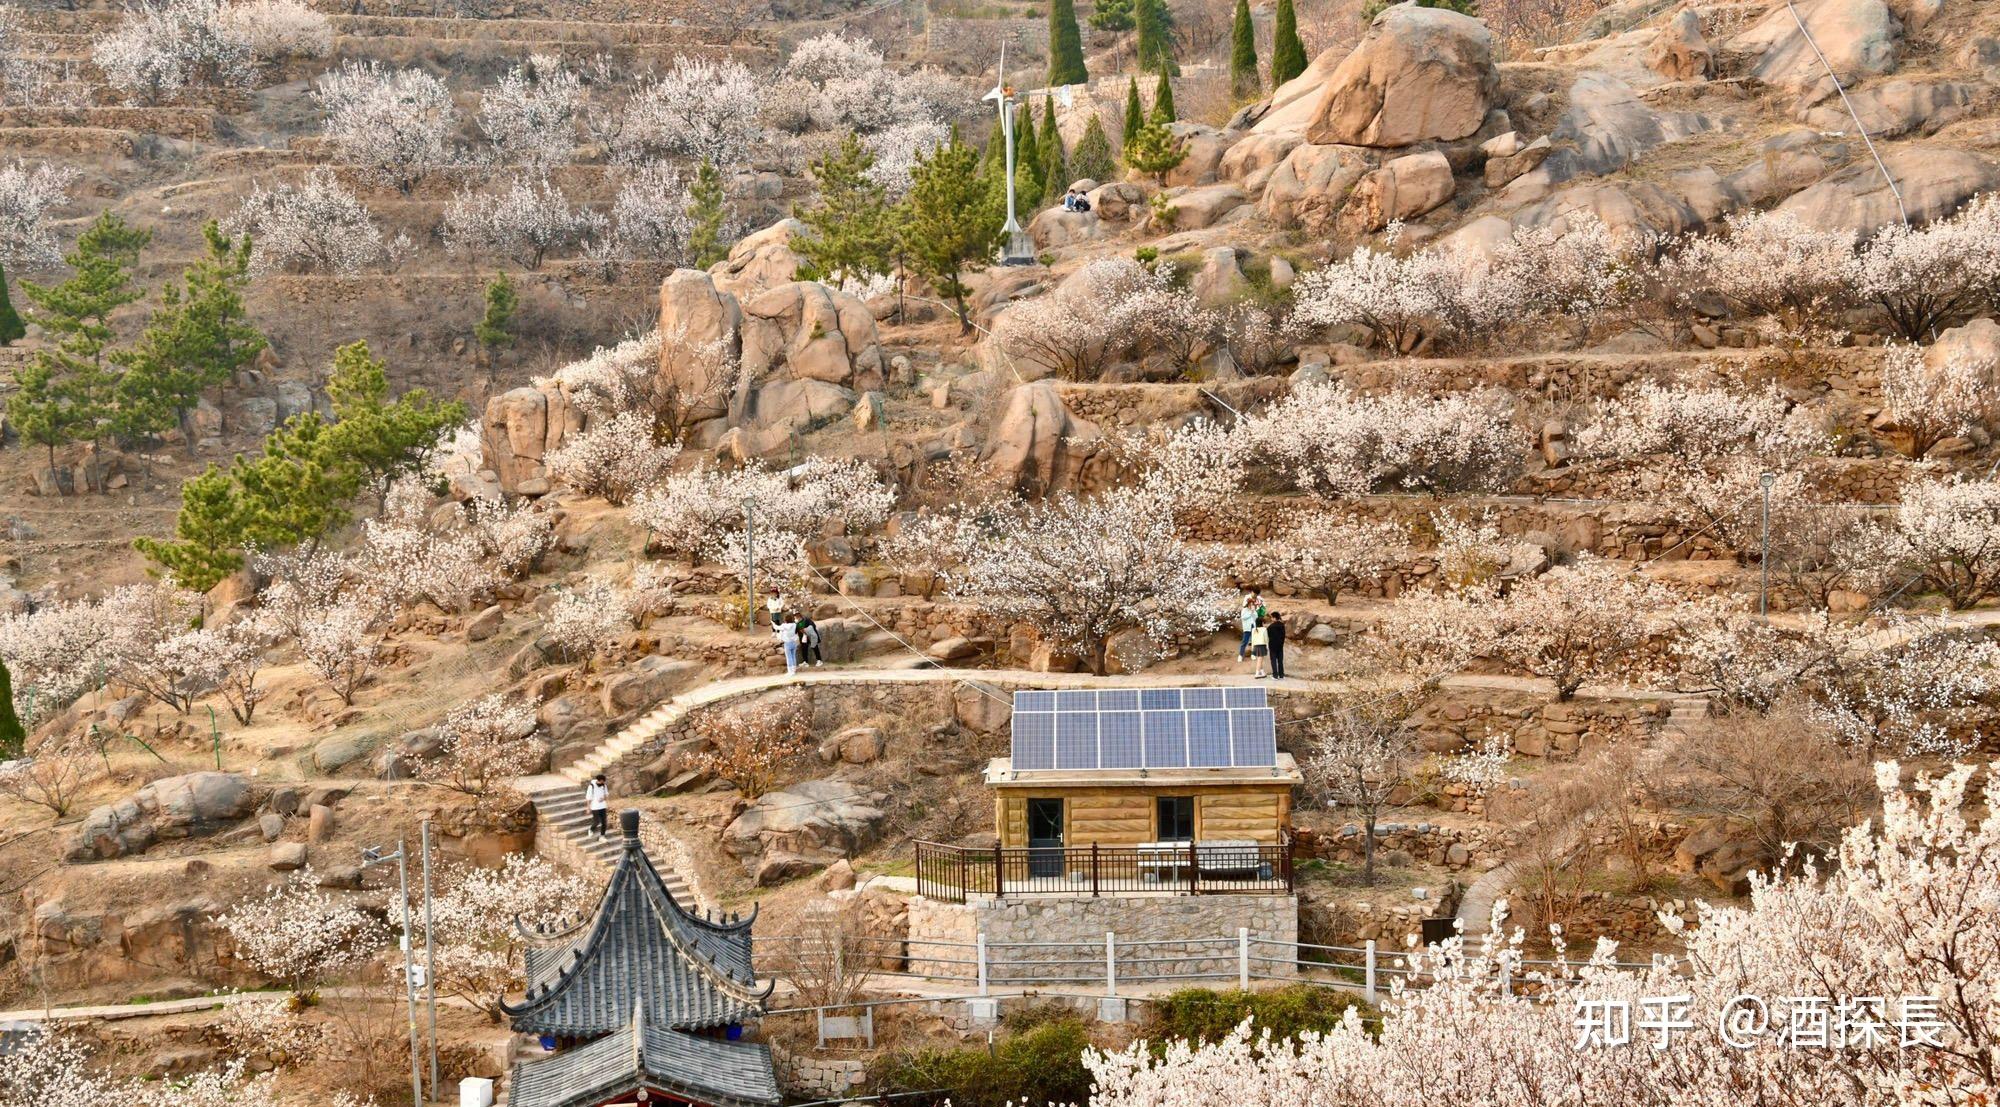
1013,927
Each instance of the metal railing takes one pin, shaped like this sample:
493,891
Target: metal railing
950,873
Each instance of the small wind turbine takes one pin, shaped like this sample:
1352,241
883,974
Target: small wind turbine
1017,250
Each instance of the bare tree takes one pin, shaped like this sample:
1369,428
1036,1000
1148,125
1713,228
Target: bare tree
55,777
825,956
1781,775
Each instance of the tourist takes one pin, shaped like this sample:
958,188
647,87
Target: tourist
1247,619
1276,637
788,637
597,797
1260,645
809,641
774,604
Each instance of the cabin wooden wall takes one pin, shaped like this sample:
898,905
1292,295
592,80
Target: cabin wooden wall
1126,815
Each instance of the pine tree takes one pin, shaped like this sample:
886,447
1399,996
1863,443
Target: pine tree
1155,150
1288,51
198,338
495,329
851,232
1135,111
953,219
1092,160
1065,46
1156,36
381,439
1243,77
1028,183
41,412
1111,15
298,490
12,330
1163,102
13,736
77,314
208,533
1054,165
710,215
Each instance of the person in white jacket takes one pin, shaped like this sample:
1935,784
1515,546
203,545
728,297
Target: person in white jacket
788,637
597,797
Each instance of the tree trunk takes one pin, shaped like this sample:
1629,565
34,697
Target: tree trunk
1368,848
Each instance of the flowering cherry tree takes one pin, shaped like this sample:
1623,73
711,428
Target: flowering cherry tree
343,644
398,123
1333,442
300,934
1895,944
1326,553
1923,277
586,618
1587,621
1768,264
54,1069
411,561
530,114
526,221
486,742
701,109
699,513
1930,398
1360,752
28,194
1705,450
650,215
1920,687
314,225
1948,532
477,916
1084,573
613,458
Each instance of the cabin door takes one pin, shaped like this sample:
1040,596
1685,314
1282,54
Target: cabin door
1045,837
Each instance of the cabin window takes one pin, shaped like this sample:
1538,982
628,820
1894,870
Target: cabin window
1176,819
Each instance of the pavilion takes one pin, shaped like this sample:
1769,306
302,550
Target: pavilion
645,1001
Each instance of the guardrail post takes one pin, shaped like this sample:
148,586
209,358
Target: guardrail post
1093,868
983,1008
1110,963
1243,958
1369,987
999,866
1192,868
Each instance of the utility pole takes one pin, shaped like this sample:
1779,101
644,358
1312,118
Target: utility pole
430,955
373,855
1015,250
1765,481
750,574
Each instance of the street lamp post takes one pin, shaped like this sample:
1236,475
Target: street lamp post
1765,481
372,856
430,957
1017,250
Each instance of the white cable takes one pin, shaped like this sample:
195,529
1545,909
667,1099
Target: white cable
1895,192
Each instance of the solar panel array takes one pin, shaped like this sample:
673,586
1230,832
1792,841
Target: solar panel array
1144,728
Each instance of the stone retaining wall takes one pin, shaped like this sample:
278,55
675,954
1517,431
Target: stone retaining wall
1019,931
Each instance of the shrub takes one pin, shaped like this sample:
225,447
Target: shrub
1043,1064
1204,1015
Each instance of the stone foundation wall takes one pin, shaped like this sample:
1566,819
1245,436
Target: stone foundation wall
1021,931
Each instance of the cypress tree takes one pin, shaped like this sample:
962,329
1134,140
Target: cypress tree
705,242
12,329
1092,160
953,219
1288,51
1028,183
495,328
1156,36
1055,171
1163,102
1135,111
1065,46
13,736
1243,78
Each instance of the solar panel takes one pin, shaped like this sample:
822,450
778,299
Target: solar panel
1243,697
1034,701
1150,728
1076,740
1118,740
1034,740
1208,740
1253,737
1118,699
1166,739
1160,699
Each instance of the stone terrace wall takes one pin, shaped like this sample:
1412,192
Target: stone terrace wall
1085,920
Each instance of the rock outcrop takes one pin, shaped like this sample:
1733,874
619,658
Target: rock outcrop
189,806
1419,74
1933,183
760,261
808,825
1034,445
1858,37
1308,188
1403,188
1678,51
